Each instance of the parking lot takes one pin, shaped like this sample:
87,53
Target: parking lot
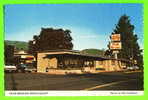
99,81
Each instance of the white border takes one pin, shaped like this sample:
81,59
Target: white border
74,93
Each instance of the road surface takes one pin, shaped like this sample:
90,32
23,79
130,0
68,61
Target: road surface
88,82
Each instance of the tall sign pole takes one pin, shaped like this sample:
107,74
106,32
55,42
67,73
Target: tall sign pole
115,44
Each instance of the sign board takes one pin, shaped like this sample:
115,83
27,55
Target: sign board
115,37
116,51
115,45
23,56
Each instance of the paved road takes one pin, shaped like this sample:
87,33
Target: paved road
100,81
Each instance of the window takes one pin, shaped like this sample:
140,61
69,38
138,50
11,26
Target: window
113,62
100,62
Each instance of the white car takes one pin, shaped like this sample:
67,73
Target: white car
10,68
29,69
133,68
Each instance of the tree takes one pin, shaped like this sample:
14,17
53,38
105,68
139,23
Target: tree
130,47
51,39
8,53
108,53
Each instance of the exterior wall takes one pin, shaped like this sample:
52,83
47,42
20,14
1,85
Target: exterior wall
110,65
123,65
118,63
44,63
52,63
99,64
106,65
113,65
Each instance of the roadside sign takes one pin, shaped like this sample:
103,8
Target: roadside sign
115,37
115,45
116,51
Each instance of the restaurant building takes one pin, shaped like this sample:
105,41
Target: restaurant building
71,61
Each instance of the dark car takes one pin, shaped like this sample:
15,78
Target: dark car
21,68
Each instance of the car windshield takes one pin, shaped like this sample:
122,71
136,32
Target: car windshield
23,65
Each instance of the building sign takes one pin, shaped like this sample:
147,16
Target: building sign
115,45
115,37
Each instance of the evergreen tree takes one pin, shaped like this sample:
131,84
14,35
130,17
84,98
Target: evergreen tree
130,47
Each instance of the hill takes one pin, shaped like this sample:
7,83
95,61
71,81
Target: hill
18,44
96,52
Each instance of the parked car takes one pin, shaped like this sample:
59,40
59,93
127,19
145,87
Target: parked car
10,68
129,68
21,68
30,68
133,68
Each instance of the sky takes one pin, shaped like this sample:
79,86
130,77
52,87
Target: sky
90,24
